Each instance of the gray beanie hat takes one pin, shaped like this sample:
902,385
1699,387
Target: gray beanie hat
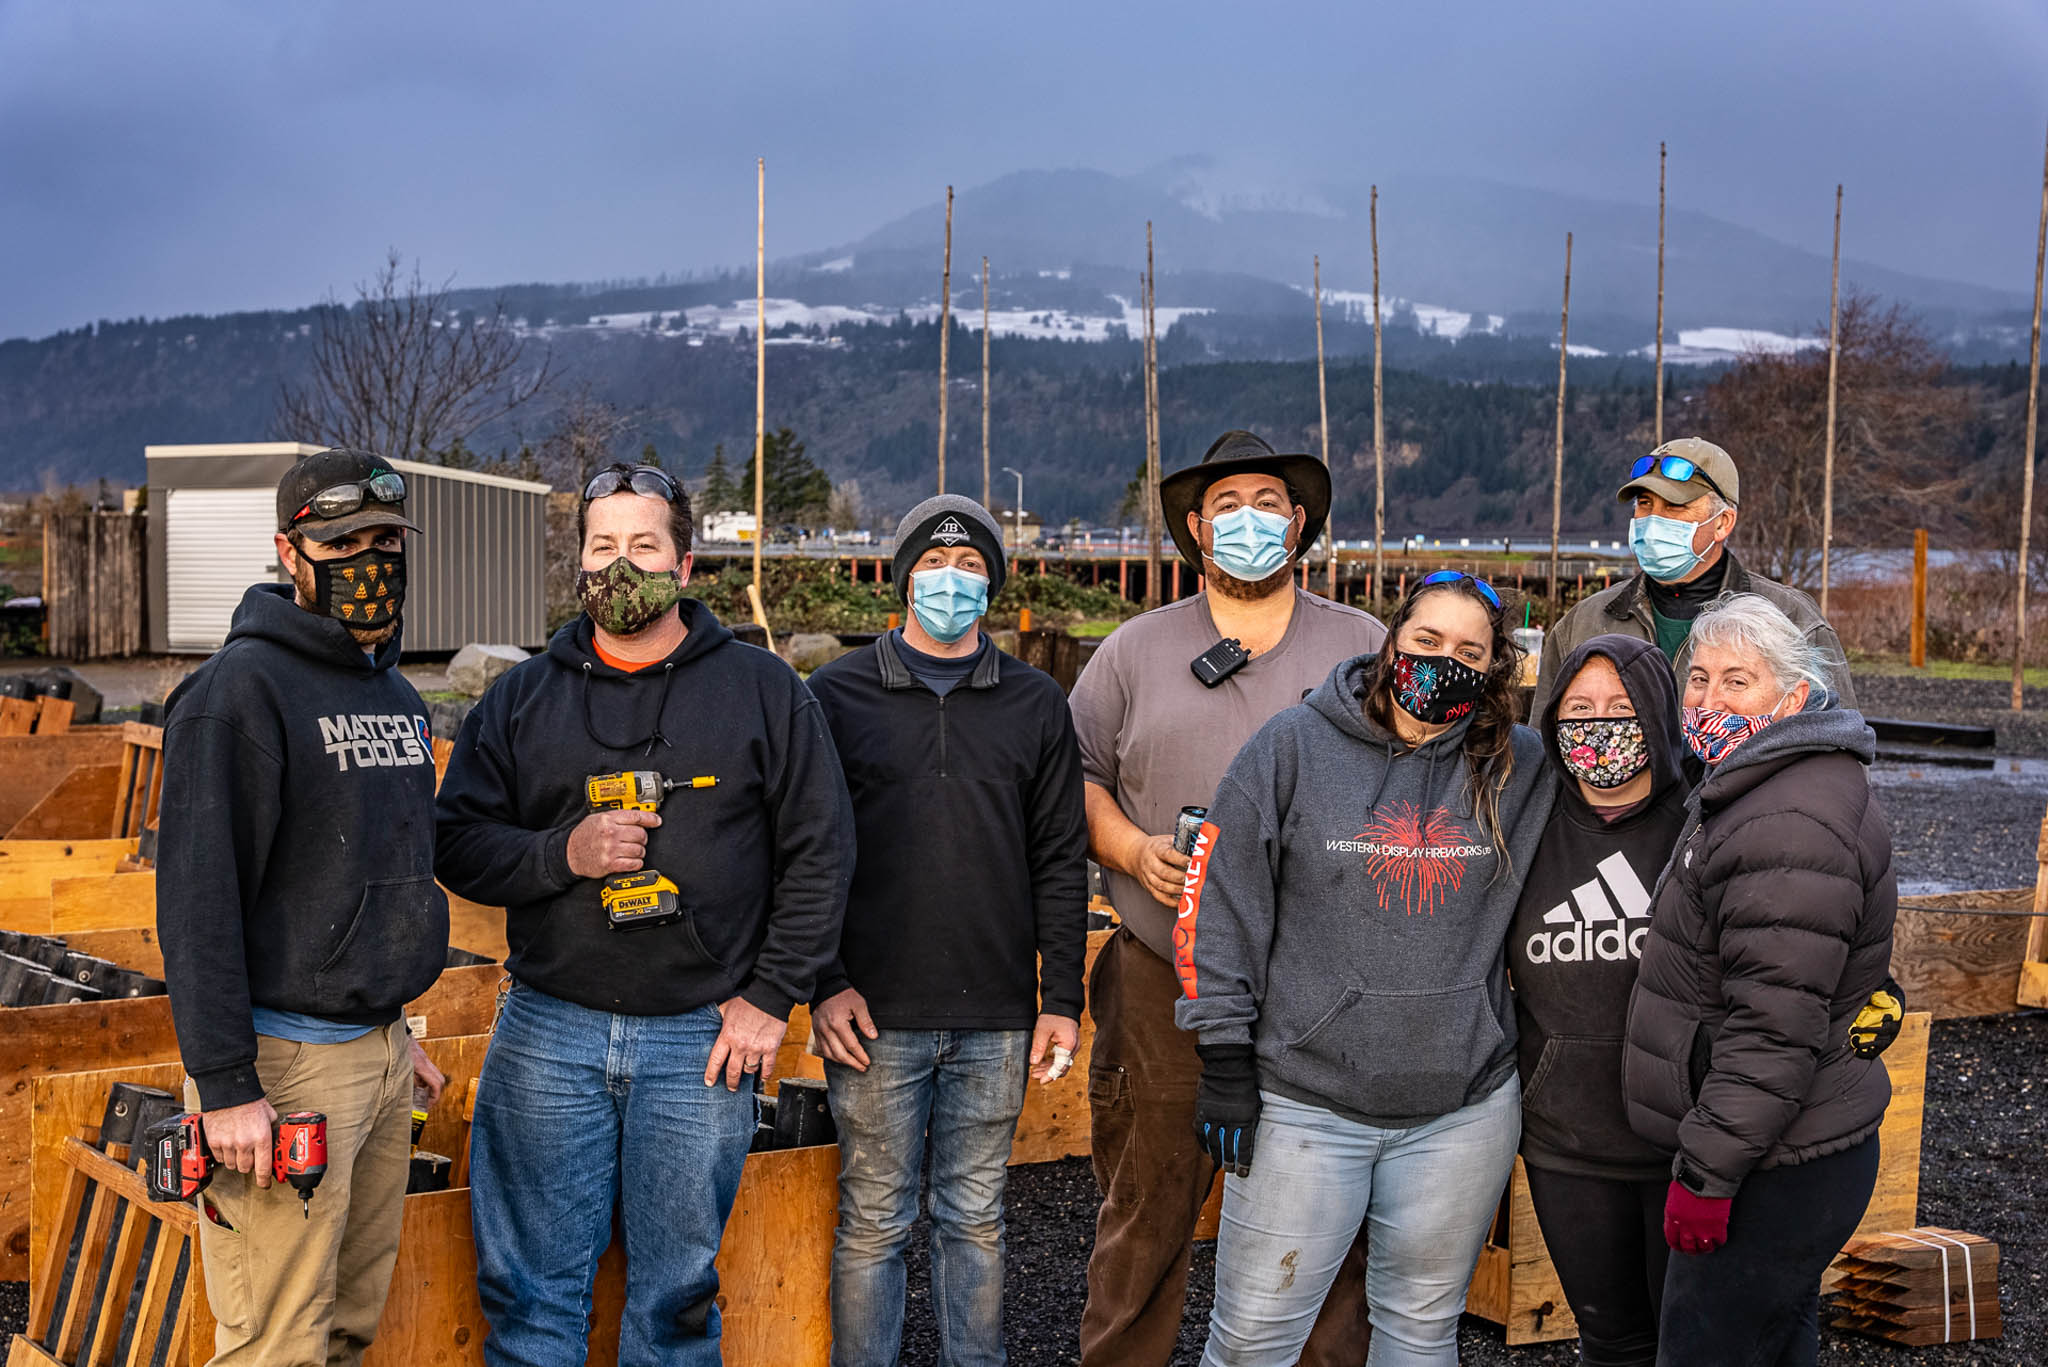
948,520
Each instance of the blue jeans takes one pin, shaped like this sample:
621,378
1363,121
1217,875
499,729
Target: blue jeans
966,1087
573,1106
1427,1194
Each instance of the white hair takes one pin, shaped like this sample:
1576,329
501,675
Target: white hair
1753,623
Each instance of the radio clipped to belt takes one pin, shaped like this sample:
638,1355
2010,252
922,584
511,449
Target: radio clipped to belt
637,901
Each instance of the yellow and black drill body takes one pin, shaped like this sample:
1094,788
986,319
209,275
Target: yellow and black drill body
636,901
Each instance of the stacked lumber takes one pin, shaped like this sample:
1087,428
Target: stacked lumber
1919,1286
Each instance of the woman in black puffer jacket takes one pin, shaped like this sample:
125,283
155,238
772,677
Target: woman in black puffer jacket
1771,929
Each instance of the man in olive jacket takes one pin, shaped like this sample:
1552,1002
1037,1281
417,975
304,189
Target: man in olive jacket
1685,495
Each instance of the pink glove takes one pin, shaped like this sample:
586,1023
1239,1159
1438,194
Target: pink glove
1694,1224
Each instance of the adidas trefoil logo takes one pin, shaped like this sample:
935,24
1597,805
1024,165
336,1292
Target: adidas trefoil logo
1597,932
950,531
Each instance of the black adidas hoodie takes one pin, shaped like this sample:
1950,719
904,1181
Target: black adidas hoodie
762,859
1579,929
295,858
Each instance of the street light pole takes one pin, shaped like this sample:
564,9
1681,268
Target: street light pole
1017,513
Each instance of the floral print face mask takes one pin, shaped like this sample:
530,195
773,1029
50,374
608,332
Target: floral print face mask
1603,752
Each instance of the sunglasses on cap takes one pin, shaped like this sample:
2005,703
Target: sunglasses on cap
339,500
1675,468
1453,576
645,480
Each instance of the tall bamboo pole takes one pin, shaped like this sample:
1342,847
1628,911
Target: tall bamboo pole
1152,559
1660,295
760,363
2019,658
1323,403
945,333
1827,466
984,382
1564,337
1379,421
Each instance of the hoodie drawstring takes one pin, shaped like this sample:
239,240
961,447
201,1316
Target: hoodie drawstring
668,678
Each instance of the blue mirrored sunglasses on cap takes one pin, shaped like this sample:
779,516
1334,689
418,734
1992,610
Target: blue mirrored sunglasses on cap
1676,468
1453,576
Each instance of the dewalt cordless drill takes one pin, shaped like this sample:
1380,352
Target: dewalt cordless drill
634,901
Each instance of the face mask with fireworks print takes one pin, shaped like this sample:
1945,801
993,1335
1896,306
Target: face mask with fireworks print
1602,752
1713,736
1435,689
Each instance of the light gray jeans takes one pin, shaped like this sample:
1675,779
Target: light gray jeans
1429,1194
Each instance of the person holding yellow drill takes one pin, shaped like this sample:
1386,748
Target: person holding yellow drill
643,1008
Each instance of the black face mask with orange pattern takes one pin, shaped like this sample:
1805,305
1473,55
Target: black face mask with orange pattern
361,590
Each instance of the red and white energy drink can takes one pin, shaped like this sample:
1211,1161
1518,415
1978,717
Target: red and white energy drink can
1186,826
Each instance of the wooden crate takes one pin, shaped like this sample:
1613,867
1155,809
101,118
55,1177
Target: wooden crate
60,785
1516,1287
1954,960
2033,988
29,869
79,1037
774,1264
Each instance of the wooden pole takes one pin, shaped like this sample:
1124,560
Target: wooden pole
1379,421
1323,403
2019,656
1564,336
945,333
1827,466
1152,425
984,382
1916,638
1660,296
760,362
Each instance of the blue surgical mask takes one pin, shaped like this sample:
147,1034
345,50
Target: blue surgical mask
1663,547
1250,543
948,601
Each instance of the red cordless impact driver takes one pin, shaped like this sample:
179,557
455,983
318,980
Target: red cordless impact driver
181,1165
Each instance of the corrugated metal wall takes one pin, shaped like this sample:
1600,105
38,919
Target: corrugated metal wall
477,573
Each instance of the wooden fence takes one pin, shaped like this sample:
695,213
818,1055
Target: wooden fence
94,584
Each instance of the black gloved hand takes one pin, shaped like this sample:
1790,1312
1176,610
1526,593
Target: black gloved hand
1227,1106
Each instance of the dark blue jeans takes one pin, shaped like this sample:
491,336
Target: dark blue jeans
1755,1301
965,1088
575,1108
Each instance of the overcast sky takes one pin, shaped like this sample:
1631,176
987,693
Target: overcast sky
208,155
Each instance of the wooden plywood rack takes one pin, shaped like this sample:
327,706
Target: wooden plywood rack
2033,986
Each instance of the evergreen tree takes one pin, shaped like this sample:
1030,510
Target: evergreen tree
720,494
650,456
795,490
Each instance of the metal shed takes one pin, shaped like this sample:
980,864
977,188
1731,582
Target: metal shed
476,574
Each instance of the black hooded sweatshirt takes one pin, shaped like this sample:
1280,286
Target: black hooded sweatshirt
295,858
761,860
1579,930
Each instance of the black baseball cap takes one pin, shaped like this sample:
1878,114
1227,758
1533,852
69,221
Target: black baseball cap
374,482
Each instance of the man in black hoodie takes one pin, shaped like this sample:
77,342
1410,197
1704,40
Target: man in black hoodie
297,911
617,1066
1612,736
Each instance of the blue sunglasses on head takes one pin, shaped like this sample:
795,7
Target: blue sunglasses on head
1676,468
1453,576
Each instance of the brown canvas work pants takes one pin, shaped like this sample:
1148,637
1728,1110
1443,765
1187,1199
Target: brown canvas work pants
292,1287
1155,1177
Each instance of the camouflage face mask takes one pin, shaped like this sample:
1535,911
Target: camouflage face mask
624,599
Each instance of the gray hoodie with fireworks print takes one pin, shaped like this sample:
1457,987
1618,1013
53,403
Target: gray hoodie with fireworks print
1346,913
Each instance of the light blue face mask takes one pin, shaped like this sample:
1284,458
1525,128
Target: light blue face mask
1250,543
1663,547
948,601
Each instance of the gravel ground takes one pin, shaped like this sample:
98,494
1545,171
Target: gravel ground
1982,1164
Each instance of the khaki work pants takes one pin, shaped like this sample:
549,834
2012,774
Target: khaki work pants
302,1288
1155,1177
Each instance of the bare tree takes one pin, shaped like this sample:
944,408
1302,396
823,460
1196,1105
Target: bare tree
847,509
1897,426
403,373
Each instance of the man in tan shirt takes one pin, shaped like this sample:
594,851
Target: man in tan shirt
1155,738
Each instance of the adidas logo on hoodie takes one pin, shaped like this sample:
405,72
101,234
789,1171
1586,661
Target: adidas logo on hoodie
1591,927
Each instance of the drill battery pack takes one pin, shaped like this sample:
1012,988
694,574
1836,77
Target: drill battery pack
636,901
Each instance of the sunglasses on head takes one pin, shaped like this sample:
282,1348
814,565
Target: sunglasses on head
1453,576
339,500
1676,468
645,480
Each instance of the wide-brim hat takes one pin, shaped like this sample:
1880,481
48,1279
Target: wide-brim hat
1239,452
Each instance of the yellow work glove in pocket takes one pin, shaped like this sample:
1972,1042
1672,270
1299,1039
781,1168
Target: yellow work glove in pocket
1877,1024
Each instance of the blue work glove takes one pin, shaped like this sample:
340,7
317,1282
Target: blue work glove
1227,1106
